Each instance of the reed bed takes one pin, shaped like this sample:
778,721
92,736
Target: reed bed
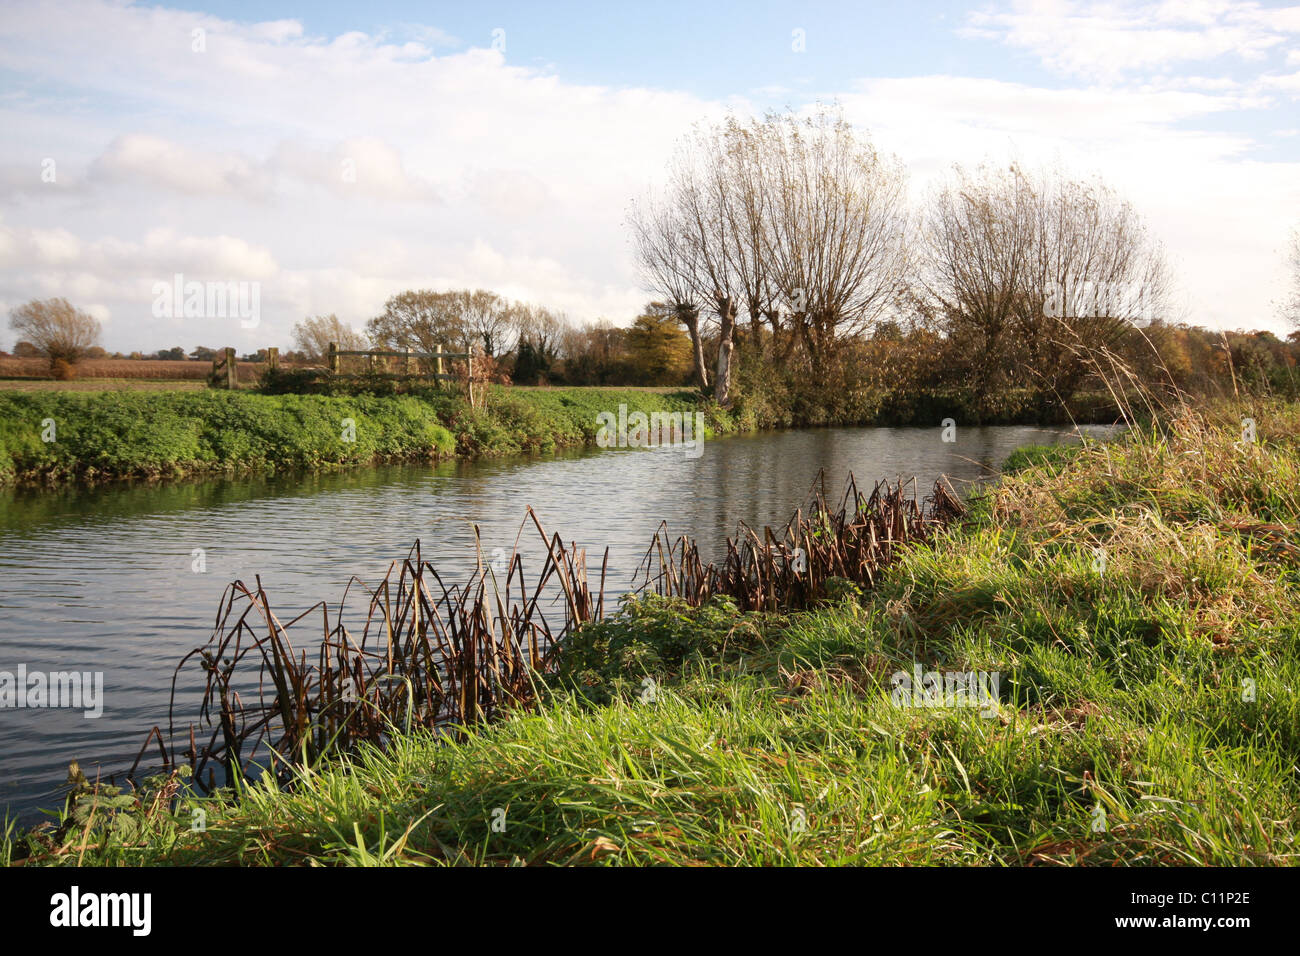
443,657
800,565
430,655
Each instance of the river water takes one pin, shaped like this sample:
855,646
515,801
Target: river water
124,580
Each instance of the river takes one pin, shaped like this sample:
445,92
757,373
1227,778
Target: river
124,580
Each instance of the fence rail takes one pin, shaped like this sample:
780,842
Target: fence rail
437,356
225,364
225,367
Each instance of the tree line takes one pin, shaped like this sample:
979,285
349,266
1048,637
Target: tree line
531,344
790,270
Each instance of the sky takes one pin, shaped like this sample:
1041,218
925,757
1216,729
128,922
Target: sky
327,156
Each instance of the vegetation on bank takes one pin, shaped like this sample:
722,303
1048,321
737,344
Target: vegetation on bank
1138,600
796,279
152,434
118,434
108,435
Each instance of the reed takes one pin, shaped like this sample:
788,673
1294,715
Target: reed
443,657
802,563
430,655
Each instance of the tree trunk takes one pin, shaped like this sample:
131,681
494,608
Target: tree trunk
774,319
727,329
691,319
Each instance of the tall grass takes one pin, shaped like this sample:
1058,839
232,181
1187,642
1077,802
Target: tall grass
438,656
798,565
430,655
1140,600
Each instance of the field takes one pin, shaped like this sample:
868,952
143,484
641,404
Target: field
102,385
18,372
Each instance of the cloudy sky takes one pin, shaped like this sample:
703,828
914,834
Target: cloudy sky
337,154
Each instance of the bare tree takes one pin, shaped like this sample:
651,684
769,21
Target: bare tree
838,236
976,261
422,320
1033,277
486,317
667,269
460,320
540,328
62,332
1291,308
313,335
745,201
699,189
1096,274
776,211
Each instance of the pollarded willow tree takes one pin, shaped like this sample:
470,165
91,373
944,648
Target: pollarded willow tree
838,229
798,221
1035,279
662,251
1291,307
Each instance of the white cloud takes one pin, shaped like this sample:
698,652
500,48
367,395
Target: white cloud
361,166
121,263
1109,40
52,247
1289,83
356,166
1220,213
229,164
158,162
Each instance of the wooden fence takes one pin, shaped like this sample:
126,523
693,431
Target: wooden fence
437,355
225,365
371,354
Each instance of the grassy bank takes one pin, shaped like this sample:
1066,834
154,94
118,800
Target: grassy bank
109,435
1139,603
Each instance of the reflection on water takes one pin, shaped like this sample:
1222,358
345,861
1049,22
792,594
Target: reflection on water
103,579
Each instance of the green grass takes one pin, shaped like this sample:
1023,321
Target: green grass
121,434
144,434
1140,602
545,418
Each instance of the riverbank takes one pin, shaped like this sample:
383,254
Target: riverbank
66,436
1130,614
49,437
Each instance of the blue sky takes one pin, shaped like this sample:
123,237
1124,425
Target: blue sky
711,49
511,165
720,50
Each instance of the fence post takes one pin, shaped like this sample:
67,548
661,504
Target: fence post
437,349
410,368
232,379
272,358
469,374
370,361
334,357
